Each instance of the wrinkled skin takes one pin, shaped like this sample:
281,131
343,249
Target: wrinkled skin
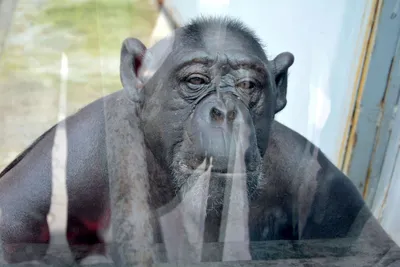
214,89
206,94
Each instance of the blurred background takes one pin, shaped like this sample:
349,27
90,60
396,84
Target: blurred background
343,90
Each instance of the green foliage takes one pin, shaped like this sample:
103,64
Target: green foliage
103,24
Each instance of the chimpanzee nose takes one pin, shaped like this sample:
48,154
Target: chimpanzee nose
214,128
220,113
216,114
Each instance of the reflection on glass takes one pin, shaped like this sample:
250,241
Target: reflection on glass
182,139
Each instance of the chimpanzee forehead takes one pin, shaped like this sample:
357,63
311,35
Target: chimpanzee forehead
215,38
209,41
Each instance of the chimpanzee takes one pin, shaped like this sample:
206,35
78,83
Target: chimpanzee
192,130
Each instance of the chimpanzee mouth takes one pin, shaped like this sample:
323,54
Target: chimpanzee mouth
225,171
218,166
215,154
222,165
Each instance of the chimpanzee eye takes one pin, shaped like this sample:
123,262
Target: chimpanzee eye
246,85
196,80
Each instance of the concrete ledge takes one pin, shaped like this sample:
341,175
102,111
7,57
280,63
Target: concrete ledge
337,252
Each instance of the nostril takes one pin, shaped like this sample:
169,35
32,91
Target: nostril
231,116
216,114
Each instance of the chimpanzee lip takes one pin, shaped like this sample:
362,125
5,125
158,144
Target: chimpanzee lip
225,172
219,171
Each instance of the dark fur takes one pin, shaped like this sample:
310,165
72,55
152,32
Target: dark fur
126,152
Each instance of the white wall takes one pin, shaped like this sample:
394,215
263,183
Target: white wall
325,38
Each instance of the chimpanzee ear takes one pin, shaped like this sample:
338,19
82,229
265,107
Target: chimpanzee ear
132,52
281,64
